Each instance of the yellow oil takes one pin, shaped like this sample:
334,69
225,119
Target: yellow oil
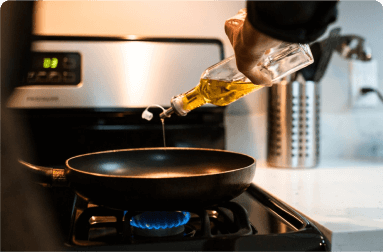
216,92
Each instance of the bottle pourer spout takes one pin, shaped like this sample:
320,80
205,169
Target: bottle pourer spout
167,113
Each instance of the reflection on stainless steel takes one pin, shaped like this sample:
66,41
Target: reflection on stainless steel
293,139
101,219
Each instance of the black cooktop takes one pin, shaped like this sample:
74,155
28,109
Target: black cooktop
253,221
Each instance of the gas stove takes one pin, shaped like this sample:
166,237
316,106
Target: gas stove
253,221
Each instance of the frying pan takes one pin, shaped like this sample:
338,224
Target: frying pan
154,178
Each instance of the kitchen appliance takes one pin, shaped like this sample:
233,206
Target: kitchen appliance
112,72
154,178
66,121
87,94
253,221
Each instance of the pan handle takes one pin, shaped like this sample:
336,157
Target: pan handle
45,176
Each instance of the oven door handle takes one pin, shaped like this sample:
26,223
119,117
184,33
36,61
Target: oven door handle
46,176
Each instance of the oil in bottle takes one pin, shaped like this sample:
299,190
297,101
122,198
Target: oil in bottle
220,93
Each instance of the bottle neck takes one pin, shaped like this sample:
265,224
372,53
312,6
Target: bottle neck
178,105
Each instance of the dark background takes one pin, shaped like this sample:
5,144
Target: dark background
26,222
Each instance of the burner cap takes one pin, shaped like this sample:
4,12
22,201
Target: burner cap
159,223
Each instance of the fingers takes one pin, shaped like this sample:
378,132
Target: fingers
234,25
259,78
249,46
232,29
229,30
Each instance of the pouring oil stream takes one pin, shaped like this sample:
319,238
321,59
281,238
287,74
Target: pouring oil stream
163,130
148,116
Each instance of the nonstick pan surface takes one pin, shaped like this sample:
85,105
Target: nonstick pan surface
160,178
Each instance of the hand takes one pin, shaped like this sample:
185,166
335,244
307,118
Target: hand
249,46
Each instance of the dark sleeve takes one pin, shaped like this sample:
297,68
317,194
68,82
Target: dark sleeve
27,221
296,22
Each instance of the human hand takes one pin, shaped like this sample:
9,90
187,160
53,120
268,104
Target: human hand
249,46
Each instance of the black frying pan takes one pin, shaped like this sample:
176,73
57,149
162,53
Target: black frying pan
156,178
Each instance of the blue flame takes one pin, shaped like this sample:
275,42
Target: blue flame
160,220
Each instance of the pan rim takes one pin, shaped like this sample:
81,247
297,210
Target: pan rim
156,148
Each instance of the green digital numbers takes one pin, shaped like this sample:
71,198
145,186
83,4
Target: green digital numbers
47,63
54,62
50,62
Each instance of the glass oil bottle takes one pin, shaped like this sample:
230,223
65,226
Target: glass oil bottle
222,83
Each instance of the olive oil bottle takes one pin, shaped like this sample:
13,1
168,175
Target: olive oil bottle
222,83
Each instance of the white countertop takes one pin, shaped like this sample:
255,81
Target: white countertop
344,198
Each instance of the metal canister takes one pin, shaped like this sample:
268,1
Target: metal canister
293,124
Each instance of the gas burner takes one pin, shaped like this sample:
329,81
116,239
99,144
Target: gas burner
92,225
226,226
159,223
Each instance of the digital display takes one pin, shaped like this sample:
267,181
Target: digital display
50,62
54,68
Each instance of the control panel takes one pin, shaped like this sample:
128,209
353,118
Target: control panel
51,68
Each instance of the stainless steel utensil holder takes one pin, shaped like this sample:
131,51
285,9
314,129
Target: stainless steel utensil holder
293,124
